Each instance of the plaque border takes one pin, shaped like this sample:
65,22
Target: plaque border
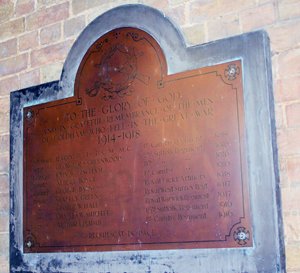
267,254
30,239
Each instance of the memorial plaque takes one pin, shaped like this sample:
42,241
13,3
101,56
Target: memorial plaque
138,159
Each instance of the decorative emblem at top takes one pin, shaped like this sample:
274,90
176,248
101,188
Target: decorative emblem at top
231,72
117,71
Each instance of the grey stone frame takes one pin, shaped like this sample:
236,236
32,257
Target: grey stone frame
267,254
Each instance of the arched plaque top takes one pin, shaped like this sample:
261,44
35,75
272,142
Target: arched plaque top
117,61
167,36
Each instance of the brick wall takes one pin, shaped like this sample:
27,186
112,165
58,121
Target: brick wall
36,35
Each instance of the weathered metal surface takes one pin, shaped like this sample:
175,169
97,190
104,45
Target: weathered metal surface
137,159
267,253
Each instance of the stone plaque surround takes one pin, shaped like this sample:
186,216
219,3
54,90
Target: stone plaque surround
253,50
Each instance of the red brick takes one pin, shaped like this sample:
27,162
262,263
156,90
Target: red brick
292,258
279,113
293,115
6,10
175,2
9,84
8,48
4,115
82,5
4,239
289,9
201,11
30,78
51,72
284,36
24,7
290,199
13,65
4,162
287,89
4,183
177,14
74,26
195,34
4,264
222,27
227,7
160,4
257,17
288,142
92,14
50,54
289,63
4,203
47,16
50,34
47,3
275,68
282,171
4,143
12,28
4,124
4,223
292,228
293,169
28,41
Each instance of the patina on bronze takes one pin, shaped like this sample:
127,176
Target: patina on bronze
138,159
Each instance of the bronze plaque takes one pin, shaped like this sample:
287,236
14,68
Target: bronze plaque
138,159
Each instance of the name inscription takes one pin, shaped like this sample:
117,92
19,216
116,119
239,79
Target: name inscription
137,159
